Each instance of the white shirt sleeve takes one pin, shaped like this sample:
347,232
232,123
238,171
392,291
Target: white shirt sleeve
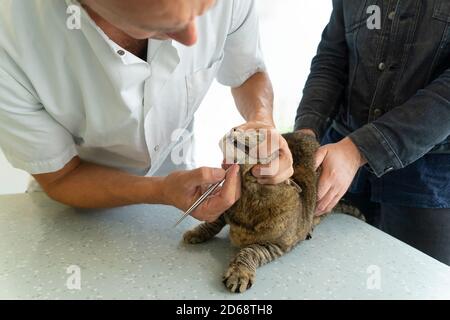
243,55
30,138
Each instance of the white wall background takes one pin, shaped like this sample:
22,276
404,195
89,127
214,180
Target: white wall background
290,32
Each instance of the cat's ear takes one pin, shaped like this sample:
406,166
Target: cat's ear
291,182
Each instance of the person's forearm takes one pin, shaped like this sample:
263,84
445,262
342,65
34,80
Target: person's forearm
254,99
87,185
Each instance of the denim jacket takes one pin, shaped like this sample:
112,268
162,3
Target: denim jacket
388,88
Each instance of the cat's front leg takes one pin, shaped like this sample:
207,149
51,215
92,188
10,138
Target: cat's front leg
204,231
241,273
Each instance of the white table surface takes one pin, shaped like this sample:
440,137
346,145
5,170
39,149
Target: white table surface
135,253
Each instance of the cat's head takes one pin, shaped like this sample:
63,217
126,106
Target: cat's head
243,147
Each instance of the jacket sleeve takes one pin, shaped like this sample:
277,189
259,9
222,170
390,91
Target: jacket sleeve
407,132
329,73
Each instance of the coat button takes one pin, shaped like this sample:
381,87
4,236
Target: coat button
391,15
387,170
382,66
377,113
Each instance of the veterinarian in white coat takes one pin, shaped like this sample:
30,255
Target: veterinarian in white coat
95,96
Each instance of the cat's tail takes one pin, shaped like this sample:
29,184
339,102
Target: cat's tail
345,208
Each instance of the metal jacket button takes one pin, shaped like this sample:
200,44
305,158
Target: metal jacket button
387,170
377,113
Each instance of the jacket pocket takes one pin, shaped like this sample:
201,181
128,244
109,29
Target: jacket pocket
198,83
355,15
441,15
441,29
442,10
355,25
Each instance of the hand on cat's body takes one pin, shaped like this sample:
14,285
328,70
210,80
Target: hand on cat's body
340,162
278,170
182,188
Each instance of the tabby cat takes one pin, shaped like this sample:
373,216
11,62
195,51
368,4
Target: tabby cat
268,220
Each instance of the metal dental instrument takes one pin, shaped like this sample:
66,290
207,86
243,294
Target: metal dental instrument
200,200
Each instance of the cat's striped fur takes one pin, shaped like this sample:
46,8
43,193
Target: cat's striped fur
267,221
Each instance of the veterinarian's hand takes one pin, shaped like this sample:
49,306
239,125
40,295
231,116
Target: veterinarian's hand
340,163
278,170
182,188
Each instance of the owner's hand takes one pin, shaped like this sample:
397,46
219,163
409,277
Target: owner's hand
182,188
340,163
280,169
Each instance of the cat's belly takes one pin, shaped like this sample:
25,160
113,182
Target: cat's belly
281,230
241,237
268,214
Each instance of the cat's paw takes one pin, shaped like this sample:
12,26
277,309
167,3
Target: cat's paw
194,237
238,278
